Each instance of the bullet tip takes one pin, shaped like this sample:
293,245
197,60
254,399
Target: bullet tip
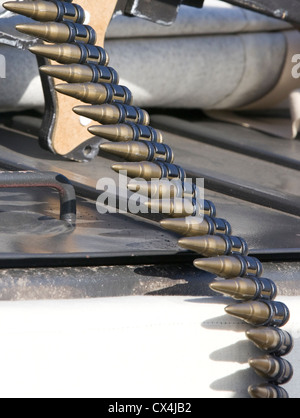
104,131
11,6
204,245
260,365
229,309
35,49
257,392
183,242
35,30
68,89
250,333
105,147
46,69
117,167
91,129
215,286
172,224
164,223
133,187
23,8
267,391
49,51
21,28
60,88
251,361
79,110
203,265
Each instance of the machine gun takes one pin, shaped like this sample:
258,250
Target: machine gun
165,11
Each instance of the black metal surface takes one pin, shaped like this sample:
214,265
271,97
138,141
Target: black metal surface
233,138
288,10
110,239
160,11
110,281
32,237
270,234
228,159
30,179
30,234
165,11
126,280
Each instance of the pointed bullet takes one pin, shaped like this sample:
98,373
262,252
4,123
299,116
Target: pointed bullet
167,189
96,93
267,391
127,132
150,170
246,289
261,313
120,132
197,226
139,151
275,369
271,340
47,11
130,151
210,246
113,114
226,267
64,54
60,32
78,73
239,289
232,266
72,53
146,170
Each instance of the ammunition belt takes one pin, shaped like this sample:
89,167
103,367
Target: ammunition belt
106,74
259,311
132,113
66,10
78,33
91,54
141,132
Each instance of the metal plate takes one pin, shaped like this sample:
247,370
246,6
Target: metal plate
160,11
116,281
237,161
131,239
165,11
32,234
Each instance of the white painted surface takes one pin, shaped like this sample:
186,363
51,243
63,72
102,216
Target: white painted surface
130,347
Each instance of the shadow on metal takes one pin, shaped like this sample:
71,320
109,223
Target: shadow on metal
30,179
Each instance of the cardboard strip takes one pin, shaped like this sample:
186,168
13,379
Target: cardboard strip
64,132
